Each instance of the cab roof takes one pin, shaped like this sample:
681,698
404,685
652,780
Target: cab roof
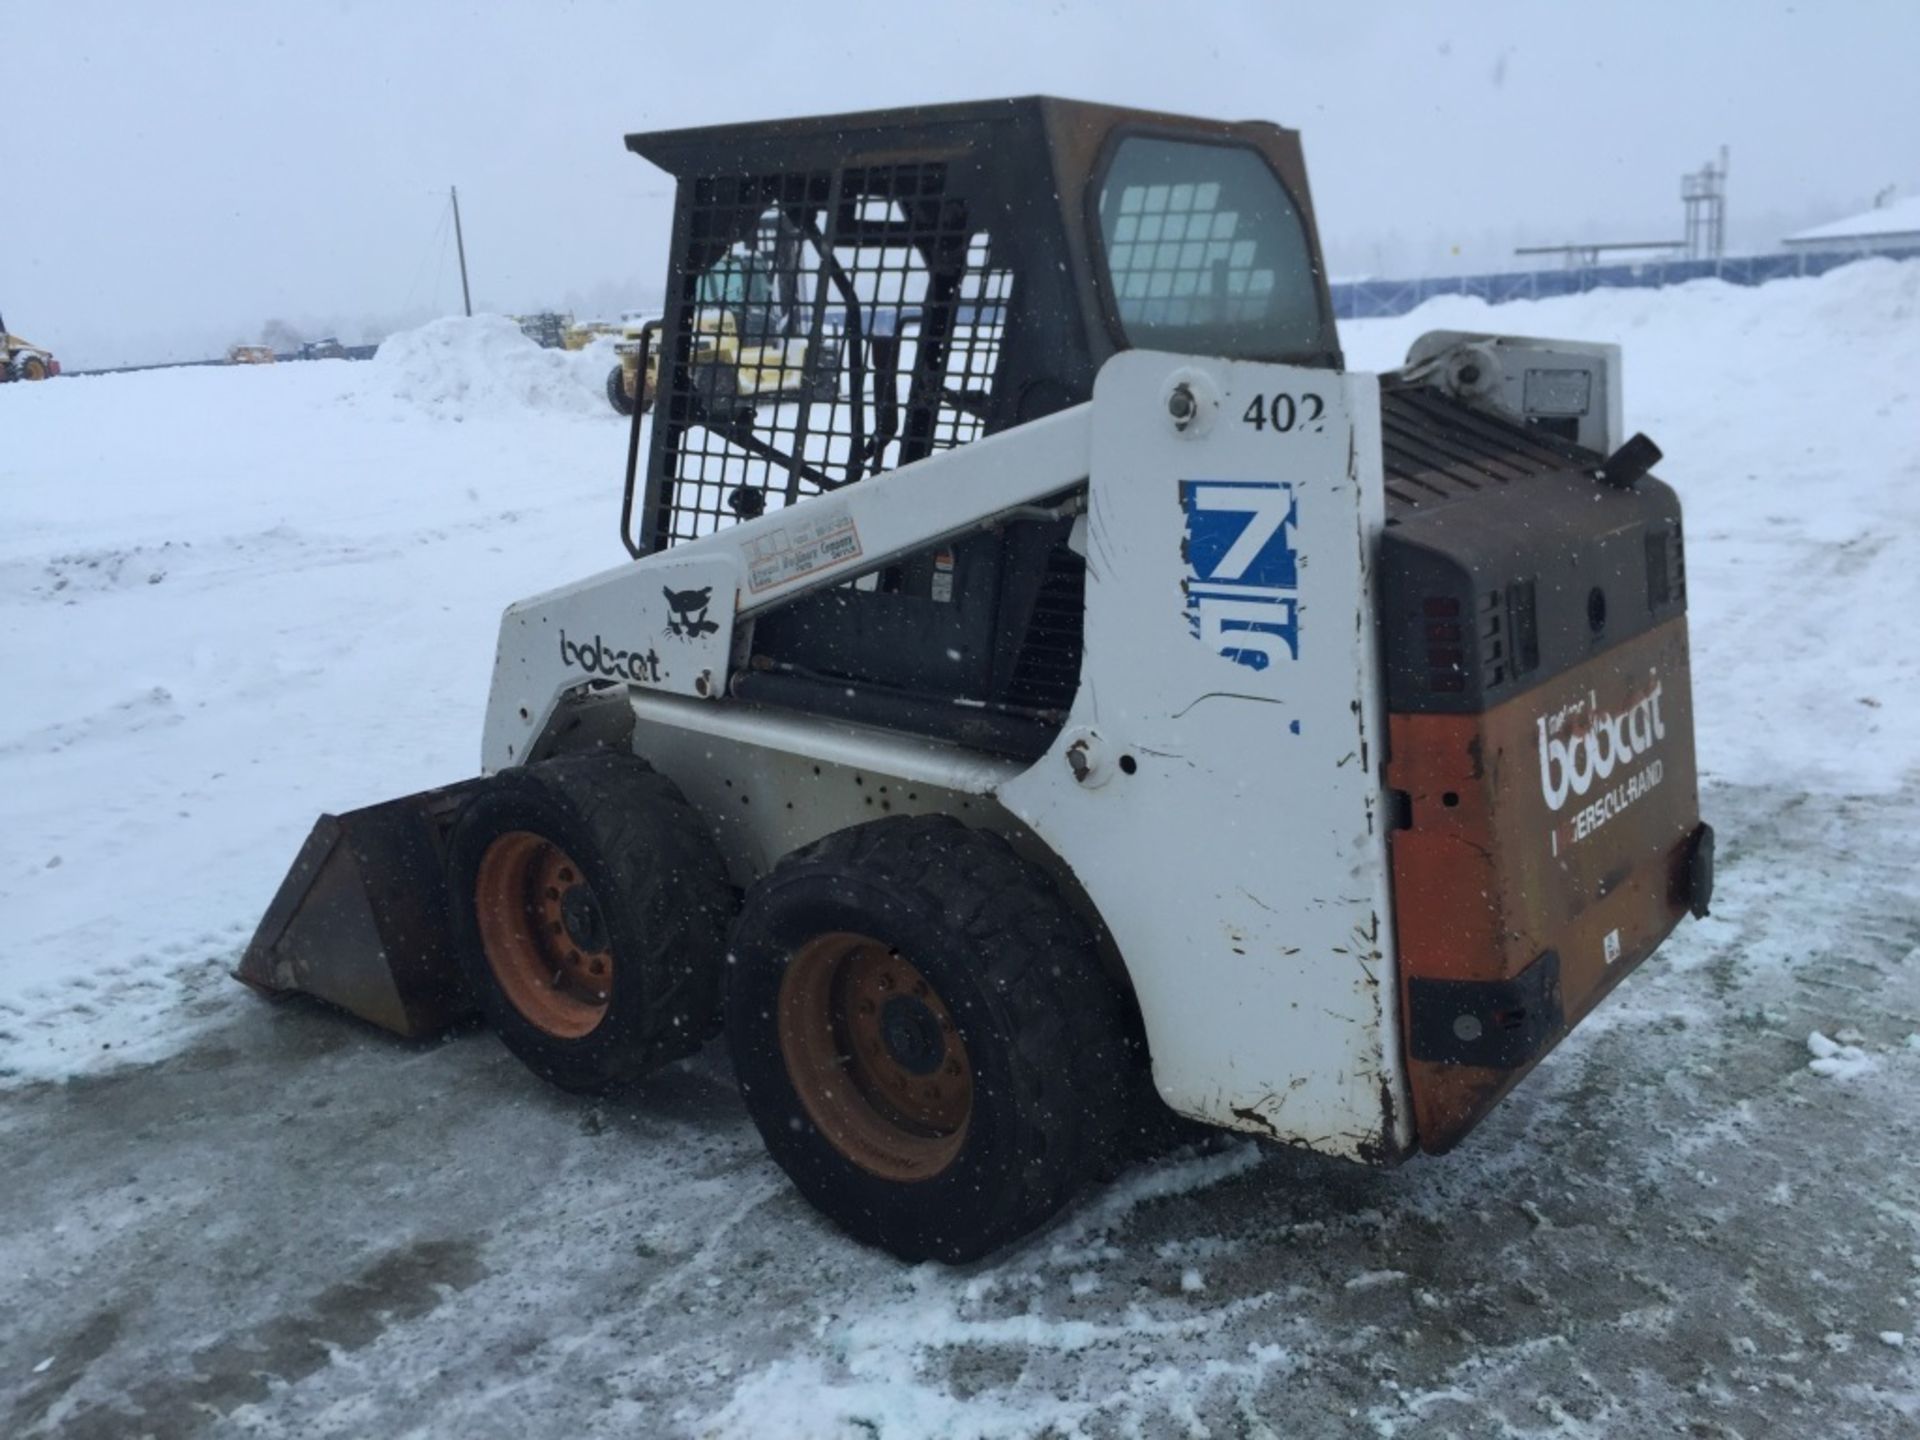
805,141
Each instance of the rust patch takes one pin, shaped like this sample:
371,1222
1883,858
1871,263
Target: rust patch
1381,1148
1254,1117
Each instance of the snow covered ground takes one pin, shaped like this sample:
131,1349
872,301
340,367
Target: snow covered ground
232,598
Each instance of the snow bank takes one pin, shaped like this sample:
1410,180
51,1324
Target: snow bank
1790,417
485,366
231,598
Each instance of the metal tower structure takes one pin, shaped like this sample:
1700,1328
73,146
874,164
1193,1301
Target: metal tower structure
1705,195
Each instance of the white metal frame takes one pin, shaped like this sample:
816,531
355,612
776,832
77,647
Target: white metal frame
1215,795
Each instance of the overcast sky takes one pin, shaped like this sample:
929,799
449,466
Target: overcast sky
177,175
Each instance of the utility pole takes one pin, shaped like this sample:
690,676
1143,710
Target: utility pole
460,243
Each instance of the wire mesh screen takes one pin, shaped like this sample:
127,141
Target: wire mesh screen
830,325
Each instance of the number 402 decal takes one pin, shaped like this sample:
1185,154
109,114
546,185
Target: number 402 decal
1286,413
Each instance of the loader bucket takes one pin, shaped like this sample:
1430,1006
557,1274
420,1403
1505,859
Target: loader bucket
361,919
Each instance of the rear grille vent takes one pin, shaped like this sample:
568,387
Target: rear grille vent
1493,641
1047,672
1438,450
1523,628
1666,568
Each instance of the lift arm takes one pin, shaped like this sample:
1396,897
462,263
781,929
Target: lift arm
667,622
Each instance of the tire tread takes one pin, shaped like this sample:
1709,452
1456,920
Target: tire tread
1067,1024
648,836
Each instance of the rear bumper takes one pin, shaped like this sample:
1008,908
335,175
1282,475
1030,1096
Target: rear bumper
1509,1024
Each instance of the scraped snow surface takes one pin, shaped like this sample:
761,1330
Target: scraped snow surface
233,598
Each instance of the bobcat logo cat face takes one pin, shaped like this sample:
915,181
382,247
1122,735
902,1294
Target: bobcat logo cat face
689,618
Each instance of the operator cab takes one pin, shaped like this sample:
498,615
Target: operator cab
948,272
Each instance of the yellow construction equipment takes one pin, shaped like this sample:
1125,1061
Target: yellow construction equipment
743,342
20,359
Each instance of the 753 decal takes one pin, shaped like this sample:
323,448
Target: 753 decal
1243,573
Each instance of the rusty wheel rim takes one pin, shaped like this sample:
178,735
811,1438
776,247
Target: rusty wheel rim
875,1056
544,933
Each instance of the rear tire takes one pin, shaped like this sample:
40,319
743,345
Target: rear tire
617,395
970,1116
33,368
589,908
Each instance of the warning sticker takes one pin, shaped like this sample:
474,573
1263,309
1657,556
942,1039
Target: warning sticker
800,548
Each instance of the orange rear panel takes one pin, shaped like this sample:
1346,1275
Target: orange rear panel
1545,842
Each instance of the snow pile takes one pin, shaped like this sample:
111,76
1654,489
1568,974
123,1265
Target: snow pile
1789,415
1838,1059
457,368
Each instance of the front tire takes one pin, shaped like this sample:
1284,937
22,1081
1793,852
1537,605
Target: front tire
589,907
617,395
925,1037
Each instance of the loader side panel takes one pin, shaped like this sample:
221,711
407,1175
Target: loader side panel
1216,790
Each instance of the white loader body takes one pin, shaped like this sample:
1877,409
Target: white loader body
1215,797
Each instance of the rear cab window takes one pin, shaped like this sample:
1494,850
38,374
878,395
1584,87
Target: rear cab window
1205,252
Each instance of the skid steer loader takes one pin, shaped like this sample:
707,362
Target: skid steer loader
1098,698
